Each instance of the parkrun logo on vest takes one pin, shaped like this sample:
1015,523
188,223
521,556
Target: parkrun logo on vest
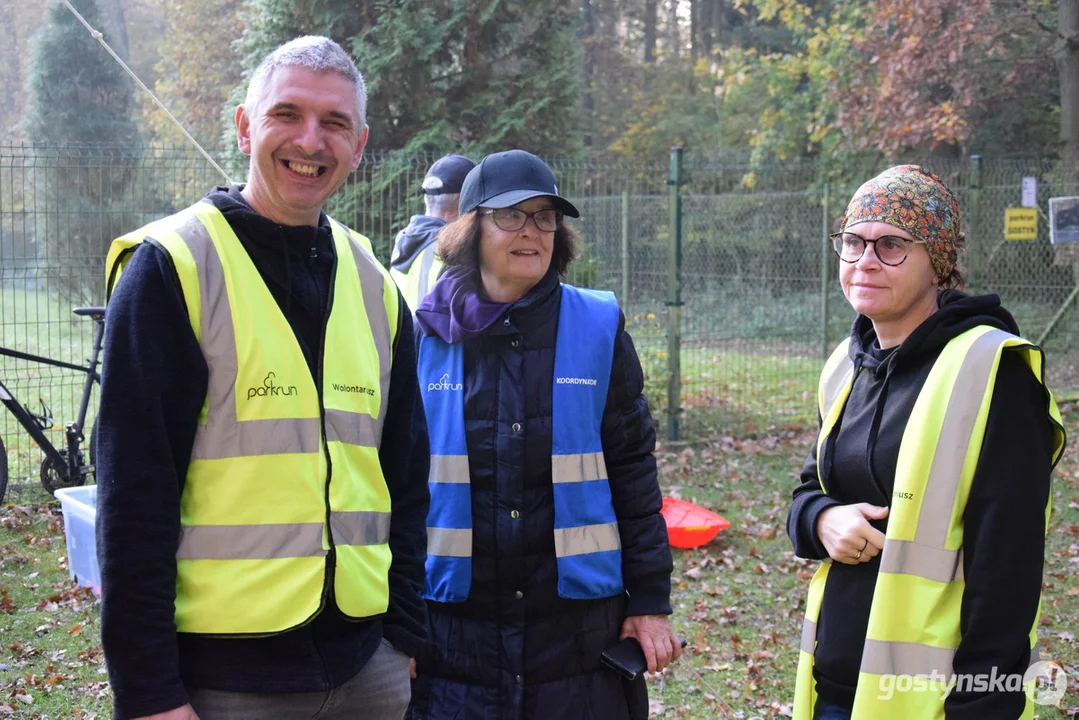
268,389
574,381
444,384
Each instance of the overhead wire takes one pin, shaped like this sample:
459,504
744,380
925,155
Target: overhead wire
101,39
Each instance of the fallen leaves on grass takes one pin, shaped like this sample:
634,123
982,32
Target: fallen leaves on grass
50,645
69,597
21,652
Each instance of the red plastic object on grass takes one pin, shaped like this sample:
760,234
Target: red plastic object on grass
689,525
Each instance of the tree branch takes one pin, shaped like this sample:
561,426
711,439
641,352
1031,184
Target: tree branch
1033,15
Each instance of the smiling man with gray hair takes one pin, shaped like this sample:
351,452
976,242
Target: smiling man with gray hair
262,452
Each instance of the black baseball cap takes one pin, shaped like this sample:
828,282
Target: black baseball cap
446,175
507,178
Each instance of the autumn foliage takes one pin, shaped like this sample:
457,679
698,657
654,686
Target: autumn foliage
918,78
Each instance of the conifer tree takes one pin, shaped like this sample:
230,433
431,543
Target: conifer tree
80,113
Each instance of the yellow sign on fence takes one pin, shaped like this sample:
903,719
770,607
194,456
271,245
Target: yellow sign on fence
1021,224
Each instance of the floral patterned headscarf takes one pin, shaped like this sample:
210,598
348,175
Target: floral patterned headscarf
911,198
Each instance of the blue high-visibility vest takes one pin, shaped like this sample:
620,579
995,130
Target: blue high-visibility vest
588,548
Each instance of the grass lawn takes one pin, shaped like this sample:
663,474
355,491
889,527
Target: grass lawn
51,664
732,388
737,600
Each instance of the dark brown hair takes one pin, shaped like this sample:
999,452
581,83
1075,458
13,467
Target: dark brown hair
459,243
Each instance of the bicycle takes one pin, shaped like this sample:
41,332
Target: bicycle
67,466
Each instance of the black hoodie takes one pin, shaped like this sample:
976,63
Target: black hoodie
1004,534
418,235
153,385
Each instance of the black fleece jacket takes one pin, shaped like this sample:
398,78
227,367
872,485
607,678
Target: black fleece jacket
1004,534
153,385
420,233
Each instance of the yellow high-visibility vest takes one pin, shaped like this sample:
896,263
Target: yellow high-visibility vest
282,472
913,630
421,276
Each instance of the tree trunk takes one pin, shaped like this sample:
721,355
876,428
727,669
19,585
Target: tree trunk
717,22
707,9
650,13
605,23
115,28
674,37
1068,62
9,67
694,31
587,34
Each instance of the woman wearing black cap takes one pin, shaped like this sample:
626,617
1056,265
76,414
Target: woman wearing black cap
545,541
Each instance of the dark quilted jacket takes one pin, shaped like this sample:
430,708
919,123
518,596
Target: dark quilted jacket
515,650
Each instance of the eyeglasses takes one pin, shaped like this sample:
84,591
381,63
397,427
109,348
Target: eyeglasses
511,219
890,249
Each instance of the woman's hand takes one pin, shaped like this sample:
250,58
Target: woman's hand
847,535
654,633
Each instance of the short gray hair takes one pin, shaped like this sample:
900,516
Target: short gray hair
316,53
442,203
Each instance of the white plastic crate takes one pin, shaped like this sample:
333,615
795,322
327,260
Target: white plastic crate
79,505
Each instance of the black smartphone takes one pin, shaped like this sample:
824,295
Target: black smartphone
627,658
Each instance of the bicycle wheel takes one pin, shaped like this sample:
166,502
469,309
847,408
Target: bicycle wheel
3,470
54,476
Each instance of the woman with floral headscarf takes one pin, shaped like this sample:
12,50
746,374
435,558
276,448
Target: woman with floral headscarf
926,495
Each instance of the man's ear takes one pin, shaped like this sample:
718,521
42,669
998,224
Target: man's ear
360,144
243,130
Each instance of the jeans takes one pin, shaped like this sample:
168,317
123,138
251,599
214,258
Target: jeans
830,711
380,691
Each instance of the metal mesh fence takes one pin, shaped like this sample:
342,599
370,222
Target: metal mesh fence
755,322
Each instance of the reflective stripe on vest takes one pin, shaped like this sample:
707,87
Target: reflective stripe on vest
914,619
587,542
263,419
421,276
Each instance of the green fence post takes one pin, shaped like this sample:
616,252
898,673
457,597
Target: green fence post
975,258
825,251
625,249
674,298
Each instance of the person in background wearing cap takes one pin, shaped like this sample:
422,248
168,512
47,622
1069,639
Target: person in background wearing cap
927,492
414,263
545,540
